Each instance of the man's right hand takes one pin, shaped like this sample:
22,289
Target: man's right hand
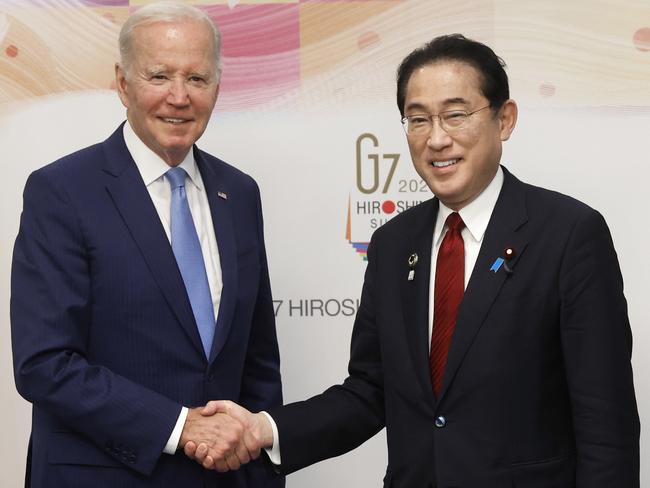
241,444
217,440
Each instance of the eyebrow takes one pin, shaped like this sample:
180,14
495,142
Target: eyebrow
414,106
159,68
201,74
455,100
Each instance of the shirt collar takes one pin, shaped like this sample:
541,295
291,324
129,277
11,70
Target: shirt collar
150,165
476,215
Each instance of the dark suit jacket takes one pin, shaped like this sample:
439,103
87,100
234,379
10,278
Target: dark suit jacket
538,390
104,341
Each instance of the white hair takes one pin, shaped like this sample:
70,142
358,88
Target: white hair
164,12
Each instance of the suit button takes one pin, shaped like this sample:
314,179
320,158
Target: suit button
440,421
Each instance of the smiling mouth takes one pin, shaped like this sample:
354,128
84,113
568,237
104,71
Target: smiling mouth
444,164
174,121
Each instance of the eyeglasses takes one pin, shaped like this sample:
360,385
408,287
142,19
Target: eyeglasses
450,121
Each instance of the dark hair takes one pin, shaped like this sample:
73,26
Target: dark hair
456,47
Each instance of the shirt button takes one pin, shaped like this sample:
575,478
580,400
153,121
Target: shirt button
440,421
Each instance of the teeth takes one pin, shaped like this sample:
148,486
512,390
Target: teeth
173,121
444,164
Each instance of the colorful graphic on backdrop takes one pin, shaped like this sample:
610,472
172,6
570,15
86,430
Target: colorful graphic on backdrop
294,53
53,46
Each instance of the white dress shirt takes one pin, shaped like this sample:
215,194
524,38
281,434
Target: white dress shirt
152,169
476,216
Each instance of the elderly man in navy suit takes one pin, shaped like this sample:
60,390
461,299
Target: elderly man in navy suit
492,340
140,286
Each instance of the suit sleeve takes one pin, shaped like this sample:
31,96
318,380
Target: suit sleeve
261,387
261,382
344,416
597,346
51,300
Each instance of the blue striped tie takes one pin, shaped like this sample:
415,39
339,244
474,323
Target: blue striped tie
187,249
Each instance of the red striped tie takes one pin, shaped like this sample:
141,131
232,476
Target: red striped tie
449,288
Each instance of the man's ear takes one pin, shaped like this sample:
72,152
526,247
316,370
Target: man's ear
508,118
121,84
216,94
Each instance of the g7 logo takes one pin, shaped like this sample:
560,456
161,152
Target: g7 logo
373,158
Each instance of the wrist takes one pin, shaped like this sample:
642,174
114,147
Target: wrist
185,433
264,430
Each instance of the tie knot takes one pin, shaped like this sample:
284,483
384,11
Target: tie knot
455,222
176,177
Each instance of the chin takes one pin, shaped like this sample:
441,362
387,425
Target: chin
446,194
177,146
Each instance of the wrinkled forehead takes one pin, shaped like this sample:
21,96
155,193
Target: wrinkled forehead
187,32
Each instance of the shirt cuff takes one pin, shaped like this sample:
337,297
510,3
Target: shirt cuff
274,451
174,439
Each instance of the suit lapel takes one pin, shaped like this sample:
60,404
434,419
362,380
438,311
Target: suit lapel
134,204
415,293
222,220
504,230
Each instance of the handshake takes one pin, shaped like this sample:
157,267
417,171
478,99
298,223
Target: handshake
224,436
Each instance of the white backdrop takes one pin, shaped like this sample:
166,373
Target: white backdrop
590,141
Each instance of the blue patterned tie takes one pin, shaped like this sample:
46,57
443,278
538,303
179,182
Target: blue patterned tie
187,249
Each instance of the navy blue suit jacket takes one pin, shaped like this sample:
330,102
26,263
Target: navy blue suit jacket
537,391
104,341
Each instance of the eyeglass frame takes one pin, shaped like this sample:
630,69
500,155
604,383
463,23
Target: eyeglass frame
429,117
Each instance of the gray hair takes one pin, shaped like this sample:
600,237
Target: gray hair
164,12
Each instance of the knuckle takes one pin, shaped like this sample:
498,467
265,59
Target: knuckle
232,439
233,462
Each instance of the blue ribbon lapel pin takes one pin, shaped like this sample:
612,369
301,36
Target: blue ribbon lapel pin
496,265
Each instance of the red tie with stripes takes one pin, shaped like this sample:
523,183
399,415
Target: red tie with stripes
448,293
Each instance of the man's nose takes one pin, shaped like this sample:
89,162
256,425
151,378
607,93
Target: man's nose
438,137
178,94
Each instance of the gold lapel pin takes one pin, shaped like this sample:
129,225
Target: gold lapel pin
413,261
